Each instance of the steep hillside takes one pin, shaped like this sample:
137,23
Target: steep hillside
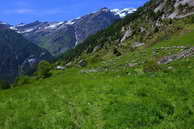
57,37
147,25
17,55
110,92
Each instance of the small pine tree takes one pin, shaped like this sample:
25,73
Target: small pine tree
44,69
4,85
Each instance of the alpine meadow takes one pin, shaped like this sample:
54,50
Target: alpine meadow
110,69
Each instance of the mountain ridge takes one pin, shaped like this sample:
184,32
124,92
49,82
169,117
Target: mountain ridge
18,56
49,34
136,74
132,30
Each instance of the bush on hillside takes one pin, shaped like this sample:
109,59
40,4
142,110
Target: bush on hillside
44,68
151,66
116,52
22,80
94,59
189,20
4,85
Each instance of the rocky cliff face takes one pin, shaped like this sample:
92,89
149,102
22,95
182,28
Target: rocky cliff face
57,37
18,55
153,14
174,8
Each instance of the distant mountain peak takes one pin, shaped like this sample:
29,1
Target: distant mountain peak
61,36
123,12
21,24
105,9
1,22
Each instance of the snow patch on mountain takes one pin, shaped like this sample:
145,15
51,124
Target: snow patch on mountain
13,28
123,12
26,31
77,18
70,22
54,25
20,25
41,26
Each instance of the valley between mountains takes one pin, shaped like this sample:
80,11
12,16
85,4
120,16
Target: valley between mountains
111,69
51,39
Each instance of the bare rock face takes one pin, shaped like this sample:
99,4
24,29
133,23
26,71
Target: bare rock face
60,67
175,8
128,33
83,63
184,2
183,54
97,48
137,44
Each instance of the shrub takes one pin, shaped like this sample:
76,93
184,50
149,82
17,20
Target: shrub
44,68
22,80
95,59
116,52
4,85
151,66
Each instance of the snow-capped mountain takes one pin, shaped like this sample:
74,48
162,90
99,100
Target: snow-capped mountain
123,12
57,37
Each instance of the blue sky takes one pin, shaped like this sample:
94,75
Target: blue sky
26,11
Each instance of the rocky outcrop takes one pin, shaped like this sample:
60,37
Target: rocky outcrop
83,63
128,33
137,44
60,67
183,54
175,8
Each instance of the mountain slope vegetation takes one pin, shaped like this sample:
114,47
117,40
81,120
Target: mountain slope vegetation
136,74
58,37
18,55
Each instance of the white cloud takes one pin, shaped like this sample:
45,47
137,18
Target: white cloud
33,11
51,11
22,4
18,11
24,11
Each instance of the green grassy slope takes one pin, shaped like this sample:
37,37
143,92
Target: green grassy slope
108,94
101,100
183,38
